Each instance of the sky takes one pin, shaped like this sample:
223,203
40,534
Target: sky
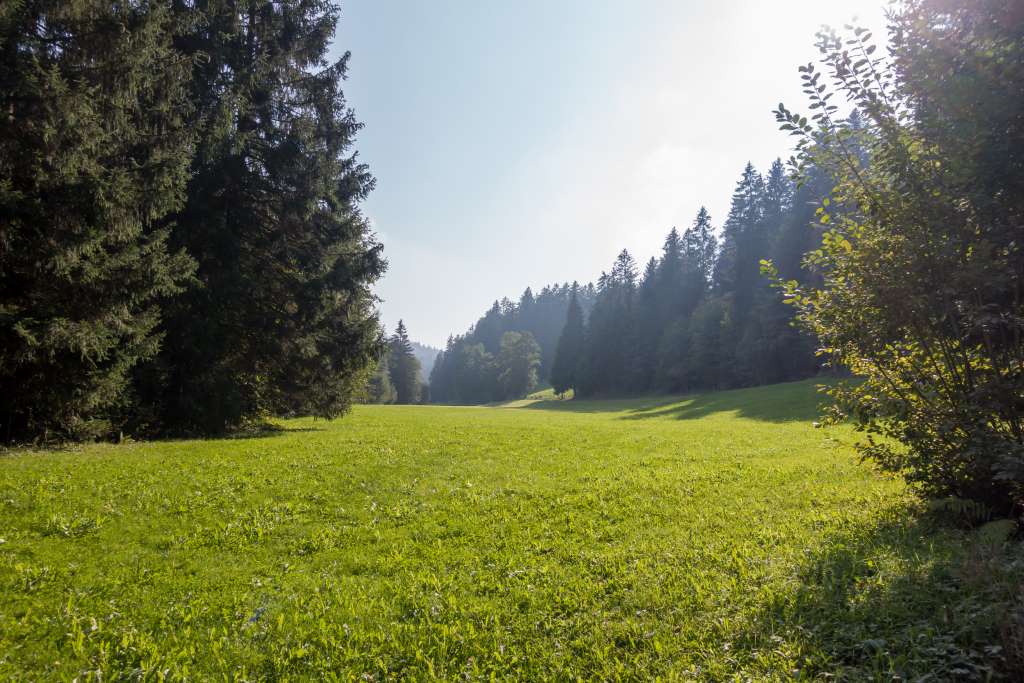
520,143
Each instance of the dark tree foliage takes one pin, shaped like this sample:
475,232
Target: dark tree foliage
642,337
607,350
403,367
94,155
570,346
283,318
705,318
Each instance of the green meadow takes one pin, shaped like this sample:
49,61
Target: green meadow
715,537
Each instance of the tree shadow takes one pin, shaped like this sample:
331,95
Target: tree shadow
904,599
789,402
262,430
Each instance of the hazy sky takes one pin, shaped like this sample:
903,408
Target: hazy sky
523,142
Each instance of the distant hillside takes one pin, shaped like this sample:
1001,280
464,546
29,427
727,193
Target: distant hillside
426,355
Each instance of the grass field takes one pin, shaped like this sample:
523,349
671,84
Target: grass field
720,537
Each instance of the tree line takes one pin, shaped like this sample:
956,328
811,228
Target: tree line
700,316
181,245
467,370
397,377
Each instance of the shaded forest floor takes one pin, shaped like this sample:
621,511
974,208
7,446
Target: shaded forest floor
710,537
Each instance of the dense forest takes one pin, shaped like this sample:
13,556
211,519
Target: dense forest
181,245
466,371
700,315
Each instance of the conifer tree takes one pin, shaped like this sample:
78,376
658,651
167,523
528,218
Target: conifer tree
646,331
283,319
778,193
605,362
379,388
488,329
734,272
403,366
570,346
700,245
93,157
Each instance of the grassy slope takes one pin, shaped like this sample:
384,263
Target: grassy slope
715,537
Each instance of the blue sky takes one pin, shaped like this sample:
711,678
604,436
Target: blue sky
524,142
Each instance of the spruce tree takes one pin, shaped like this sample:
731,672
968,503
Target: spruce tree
737,266
778,193
605,362
93,157
646,332
570,346
379,388
283,320
700,244
403,366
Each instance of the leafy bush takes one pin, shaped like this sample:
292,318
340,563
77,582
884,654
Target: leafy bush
923,273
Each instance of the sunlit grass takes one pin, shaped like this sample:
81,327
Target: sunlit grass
711,537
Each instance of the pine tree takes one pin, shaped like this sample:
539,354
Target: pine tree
733,271
570,346
700,245
93,157
379,388
624,271
737,275
778,193
488,329
403,366
604,365
646,332
284,318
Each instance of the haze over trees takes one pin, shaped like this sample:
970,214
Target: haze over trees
570,345
182,247
699,316
465,371
426,355
403,367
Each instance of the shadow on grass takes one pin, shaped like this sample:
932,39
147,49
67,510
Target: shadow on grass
790,402
256,430
261,431
903,600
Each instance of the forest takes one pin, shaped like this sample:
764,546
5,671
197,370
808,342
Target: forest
183,250
700,316
789,445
